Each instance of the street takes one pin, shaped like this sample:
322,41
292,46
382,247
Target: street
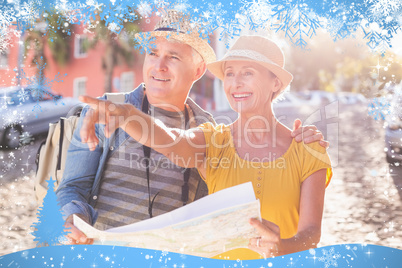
363,202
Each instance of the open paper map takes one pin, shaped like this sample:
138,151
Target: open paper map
205,228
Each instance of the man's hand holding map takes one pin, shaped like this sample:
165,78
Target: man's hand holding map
205,228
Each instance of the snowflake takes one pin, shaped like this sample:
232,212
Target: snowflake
23,95
76,12
5,39
206,15
11,117
8,165
4,101
329,258
217,10
297,22
225,36
395,110
165,252
23,15
217,15
229,31
181,6
89,27
260,11
29,13
252,24
7,17
144,42
144,9
342,26
214,17
114,27
40,86
160,4
117,14
72,17
377,40
382,45
91,3
378,109
384,7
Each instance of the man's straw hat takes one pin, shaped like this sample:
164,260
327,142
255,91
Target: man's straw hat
175,25
256,49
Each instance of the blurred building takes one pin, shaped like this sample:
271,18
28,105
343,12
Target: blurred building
84,69
85,74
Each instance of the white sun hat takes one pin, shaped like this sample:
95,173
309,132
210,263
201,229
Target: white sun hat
256,49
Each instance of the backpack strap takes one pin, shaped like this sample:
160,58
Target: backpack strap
61,137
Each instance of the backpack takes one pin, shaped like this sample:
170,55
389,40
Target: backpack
51,155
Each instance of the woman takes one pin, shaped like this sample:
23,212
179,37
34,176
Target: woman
289,178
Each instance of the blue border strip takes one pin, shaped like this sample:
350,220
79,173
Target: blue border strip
345,255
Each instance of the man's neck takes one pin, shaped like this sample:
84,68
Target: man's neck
176,106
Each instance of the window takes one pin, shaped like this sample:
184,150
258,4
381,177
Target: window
127,81
80,46
80,86
4,60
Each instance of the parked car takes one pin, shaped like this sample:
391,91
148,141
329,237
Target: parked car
325,97
393,130
24,114
287,100
309,98
292,99
350,98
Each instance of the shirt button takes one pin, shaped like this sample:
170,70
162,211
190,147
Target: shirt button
111,148
259,172
258,185
95,197
259,178
258,192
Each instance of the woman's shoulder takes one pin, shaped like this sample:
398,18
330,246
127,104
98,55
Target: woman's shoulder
216,135
311,153
309,147
221,128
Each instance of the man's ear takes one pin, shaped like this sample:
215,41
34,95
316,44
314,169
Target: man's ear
278,85
201,69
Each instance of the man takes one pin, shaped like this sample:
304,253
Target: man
120,181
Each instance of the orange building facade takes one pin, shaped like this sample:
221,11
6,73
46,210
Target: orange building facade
84,72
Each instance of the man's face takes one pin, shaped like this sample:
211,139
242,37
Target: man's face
169,71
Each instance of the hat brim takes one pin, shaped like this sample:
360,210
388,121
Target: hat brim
200,45
216,68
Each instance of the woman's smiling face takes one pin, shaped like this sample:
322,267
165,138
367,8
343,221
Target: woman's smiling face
249,86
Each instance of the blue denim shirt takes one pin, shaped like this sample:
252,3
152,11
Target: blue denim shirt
79,188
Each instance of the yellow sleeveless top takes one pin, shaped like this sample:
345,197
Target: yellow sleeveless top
276,183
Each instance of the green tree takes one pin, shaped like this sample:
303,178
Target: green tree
119,48
55,32
344,65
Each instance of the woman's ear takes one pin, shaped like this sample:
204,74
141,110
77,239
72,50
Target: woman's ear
278,85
